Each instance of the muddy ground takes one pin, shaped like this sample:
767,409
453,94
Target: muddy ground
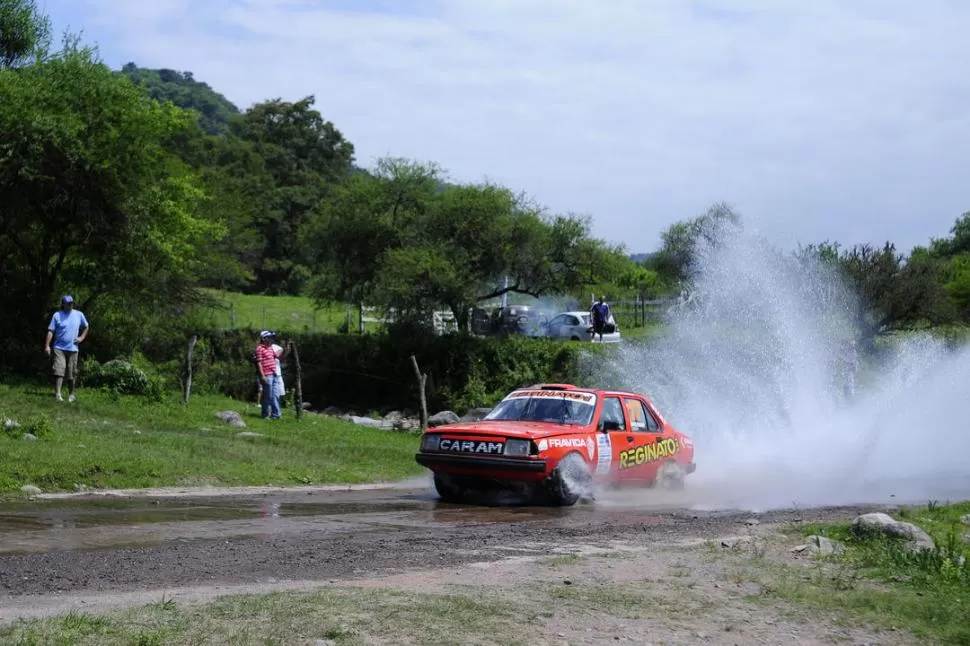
103,553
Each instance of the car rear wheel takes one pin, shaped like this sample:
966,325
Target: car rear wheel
570,480
670,477
448,490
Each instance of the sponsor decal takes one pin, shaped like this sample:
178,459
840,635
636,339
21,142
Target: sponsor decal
686,442
583,398
567,443
648,453
605,448
590,448
470,446
543,445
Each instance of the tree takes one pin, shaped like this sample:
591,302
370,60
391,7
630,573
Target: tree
24,33
92,199
683,241
213,109
306,157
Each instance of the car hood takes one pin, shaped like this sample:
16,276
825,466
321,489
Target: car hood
530,430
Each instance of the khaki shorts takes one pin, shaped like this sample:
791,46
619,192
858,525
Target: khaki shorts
64,364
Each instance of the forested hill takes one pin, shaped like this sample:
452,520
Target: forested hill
183,90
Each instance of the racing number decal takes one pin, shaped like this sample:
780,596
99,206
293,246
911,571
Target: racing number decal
648,453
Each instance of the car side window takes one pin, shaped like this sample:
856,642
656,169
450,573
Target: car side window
559,320
640,418
612,412
573,320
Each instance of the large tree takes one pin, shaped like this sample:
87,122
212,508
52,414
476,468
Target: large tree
93,200
306,157
684,241
24,33
404,239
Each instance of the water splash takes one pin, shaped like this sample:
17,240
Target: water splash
754,370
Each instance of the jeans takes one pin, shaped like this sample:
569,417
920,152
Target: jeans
271,397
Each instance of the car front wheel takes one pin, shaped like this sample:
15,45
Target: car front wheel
670,477
448,490
570,481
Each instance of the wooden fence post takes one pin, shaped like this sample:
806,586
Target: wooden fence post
422,381
187,389
298,391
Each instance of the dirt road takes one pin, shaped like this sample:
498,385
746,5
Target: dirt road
99,553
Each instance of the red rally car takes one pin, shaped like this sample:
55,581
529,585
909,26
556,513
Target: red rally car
554,442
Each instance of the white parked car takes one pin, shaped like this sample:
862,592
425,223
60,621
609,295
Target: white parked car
576,326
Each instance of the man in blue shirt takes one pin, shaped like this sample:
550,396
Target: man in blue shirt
68,327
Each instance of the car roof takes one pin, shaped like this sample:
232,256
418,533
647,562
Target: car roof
574,313
571,387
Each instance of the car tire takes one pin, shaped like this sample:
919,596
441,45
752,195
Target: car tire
671,477
447,489
570,481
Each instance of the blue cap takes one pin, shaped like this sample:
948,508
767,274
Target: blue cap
67,298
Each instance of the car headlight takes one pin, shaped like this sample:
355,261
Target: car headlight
518,448
430,442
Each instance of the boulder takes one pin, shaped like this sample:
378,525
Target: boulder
394,417
824,546
28,437
31,490
442,418
369,422
886,525
475,414
232,418
333,411
10,424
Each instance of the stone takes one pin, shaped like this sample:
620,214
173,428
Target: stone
28,437
31,490
443,418
369,422
333,411
80,487
10,424
248,435
232,418
751,522
824,546
886,525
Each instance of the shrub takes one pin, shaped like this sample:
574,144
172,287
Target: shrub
120,377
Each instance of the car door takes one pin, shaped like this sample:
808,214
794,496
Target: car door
645,445
611,436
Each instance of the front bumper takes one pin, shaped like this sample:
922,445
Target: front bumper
478,464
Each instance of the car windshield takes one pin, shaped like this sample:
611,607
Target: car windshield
556,406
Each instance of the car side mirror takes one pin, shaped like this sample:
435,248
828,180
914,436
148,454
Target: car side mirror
610,425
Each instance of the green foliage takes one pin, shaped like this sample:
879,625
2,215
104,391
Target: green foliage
214,111
93,201
40,426
24,33
122,378
683,241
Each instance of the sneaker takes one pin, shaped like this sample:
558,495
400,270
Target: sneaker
70,398
58,398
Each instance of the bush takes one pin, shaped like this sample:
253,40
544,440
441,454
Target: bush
120,377
39,426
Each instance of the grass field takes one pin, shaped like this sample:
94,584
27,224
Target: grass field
281,313
106,441
880,582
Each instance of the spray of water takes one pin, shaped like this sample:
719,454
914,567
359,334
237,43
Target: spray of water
754,369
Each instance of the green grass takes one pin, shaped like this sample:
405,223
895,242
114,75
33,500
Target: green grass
880,582
106,441
340,615
279,313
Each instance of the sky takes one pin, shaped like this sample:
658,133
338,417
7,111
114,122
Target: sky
817,120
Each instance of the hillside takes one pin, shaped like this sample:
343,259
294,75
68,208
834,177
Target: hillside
183,90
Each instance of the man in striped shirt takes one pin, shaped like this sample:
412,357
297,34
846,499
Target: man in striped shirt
266,356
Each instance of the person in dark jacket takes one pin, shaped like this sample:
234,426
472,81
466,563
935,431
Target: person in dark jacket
600,316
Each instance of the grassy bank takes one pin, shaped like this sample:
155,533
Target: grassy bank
107,441
282,313
878,581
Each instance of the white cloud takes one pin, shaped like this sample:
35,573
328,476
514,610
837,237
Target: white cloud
828,119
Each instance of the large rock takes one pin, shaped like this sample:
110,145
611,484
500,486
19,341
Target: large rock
369,422
442,418
476,414
825,546
28,437
10,424
31,490
332,411
232,418
885,525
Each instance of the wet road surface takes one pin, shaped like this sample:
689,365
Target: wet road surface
100,545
